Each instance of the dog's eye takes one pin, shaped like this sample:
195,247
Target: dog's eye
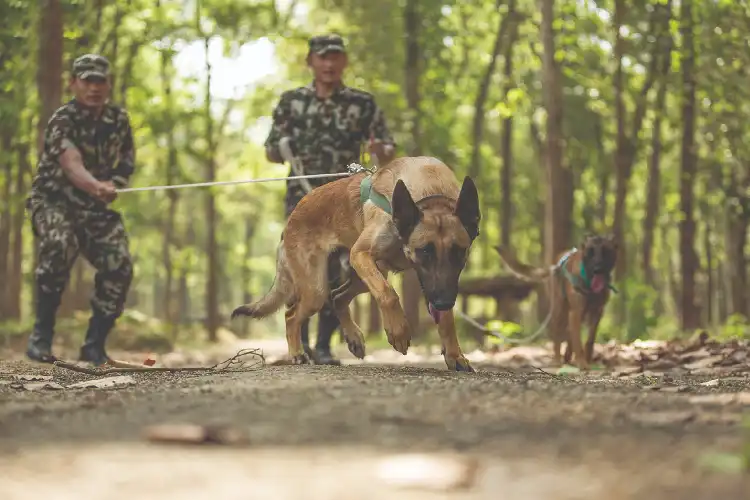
426,252
457,254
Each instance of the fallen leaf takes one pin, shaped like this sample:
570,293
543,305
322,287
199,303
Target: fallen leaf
565,369
742,398
658,418
428,472
149,362
38,386
724,462
194,434
103,383
705,362
711,383
673,388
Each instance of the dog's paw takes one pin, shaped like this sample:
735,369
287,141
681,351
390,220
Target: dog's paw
458,364
242,311
398,334
356,346
301,359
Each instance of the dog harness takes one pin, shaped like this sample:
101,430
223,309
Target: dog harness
581,283
366,192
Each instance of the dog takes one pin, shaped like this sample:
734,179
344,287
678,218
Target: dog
579,289
375,216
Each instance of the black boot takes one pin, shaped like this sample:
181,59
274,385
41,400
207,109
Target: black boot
327,324
40,341
92,350
305,335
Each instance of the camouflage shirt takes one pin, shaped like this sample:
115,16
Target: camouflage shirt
327,134
106,146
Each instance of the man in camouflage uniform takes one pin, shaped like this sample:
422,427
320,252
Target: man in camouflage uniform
88,153
326,124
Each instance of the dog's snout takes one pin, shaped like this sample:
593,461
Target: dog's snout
443,304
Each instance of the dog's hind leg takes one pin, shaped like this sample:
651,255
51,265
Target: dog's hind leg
311,291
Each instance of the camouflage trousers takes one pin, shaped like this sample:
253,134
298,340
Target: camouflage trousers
100,236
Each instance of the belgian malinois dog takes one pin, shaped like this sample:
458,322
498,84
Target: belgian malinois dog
376,217
579,286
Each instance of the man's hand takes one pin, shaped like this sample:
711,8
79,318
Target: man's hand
384,152
105,191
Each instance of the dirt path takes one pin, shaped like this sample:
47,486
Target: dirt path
334,433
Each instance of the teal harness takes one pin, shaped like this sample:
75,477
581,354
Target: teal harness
581,282
366,192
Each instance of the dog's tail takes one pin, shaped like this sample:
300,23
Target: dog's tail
524,271
281,291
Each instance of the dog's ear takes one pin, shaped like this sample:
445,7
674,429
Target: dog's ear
467,207
406,214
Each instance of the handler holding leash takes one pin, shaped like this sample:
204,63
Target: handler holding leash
88,153
320,128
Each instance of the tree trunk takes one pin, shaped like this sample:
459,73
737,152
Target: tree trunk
558,215
6,139
736,236
689,260
49,74
410,288
626,150
15,285
477,128
212,306
654,178
506,141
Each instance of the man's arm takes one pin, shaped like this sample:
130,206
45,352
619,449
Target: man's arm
126,163
382,143
280,128
60,147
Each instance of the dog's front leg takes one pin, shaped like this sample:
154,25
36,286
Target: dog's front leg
454,357
575,318
394,320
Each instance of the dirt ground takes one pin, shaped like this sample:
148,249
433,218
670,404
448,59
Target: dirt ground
374,430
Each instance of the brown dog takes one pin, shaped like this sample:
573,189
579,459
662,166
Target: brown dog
376,218
579,290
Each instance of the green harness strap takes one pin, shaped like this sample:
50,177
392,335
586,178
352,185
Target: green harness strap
366,192
582,278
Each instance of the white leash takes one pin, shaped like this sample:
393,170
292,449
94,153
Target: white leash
229,183
499,335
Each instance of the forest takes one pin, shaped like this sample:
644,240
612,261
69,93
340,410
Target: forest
572,117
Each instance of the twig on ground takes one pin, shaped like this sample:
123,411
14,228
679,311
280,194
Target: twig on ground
234,364
544,371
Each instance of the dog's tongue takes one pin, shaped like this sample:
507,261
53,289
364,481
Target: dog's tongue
434,313
597,283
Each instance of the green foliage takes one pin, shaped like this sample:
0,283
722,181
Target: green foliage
145,39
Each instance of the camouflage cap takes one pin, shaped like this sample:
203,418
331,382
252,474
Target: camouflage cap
322,44
89,65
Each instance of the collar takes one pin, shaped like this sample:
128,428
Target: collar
87,113
337,90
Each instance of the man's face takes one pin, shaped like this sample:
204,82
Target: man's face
92,91
328,67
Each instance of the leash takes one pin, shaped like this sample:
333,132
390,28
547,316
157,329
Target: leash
352,169
496,334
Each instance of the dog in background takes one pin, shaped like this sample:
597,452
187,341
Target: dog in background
410,214
579,288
